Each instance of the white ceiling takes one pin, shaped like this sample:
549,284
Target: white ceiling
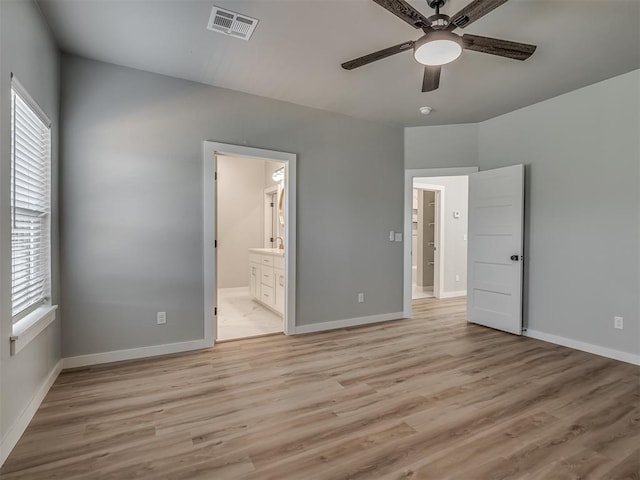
298,46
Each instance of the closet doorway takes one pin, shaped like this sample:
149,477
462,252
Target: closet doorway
426,241
436,214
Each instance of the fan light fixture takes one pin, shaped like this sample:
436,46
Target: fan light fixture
437,48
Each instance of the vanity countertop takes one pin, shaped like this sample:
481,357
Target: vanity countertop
276,252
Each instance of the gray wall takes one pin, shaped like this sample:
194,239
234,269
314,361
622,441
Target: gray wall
582,222
241,184
582,158
441,146
27,50
456,197
132,201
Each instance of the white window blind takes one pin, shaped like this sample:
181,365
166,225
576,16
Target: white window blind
30,205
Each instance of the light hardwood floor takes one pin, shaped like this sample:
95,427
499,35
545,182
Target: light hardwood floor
431,397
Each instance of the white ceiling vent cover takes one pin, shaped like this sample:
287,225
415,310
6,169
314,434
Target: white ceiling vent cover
231,23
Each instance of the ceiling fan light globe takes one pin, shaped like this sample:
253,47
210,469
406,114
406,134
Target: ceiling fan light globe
438,48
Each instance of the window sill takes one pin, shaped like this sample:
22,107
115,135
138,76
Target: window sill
28,328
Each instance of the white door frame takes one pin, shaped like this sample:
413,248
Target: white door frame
210,151
409,175
267,193
438,235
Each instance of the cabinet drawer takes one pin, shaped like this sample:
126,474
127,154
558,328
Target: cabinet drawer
278,262
267,260
266,276
266,295
255,258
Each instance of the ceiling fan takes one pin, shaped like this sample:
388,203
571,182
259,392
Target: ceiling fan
440,45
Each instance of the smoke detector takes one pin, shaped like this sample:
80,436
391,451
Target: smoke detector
426,110
231,23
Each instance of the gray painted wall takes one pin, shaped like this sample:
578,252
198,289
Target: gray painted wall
582,223
441,146
241,183
132,190
27,50
582,159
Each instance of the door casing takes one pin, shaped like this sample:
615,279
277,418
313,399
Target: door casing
209,151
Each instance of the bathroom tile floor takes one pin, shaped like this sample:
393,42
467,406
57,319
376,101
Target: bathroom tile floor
240,316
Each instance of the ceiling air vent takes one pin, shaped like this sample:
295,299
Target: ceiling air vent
231,23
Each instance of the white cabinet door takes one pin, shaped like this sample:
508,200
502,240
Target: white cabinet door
494,283
266,295
254,281
279,290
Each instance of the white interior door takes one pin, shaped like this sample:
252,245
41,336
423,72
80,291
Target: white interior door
496,218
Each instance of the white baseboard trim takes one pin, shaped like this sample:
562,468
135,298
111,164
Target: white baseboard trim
134,353
348,322
22,422
459,293
585,347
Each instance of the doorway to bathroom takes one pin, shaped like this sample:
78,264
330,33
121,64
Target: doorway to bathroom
249,201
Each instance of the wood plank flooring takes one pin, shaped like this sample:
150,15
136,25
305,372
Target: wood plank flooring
426,398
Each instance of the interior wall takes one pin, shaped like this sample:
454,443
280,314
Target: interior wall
456,197
441,146
582,249
28,51
132,203
240,188
582,262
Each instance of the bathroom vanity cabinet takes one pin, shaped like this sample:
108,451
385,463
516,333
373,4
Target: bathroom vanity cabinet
266,277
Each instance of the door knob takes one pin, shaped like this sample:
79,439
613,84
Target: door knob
515,258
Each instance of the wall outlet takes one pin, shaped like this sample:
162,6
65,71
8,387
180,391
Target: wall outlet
457,278
398,236
618,322
361,298
161,318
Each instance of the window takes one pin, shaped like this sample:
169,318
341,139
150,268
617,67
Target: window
30,205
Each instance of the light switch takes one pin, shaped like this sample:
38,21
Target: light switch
398,236
391,235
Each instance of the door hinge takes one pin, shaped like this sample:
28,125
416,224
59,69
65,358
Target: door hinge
215,244
271,204
215,175
215,311
271,239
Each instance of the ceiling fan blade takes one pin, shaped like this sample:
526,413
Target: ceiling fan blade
495,46
379,55
431,79
406,12
474,11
